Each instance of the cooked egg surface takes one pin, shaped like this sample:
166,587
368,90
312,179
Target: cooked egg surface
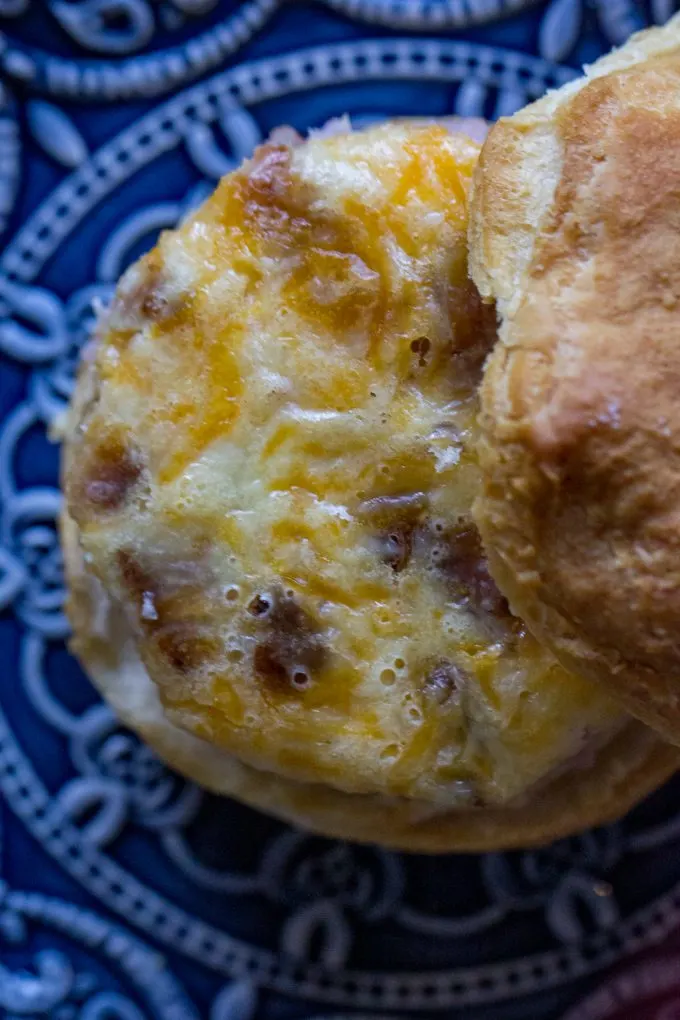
274,476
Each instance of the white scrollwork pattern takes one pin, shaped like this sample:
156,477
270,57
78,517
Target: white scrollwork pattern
47,983
184,884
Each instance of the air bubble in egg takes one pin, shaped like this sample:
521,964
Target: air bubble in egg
300,678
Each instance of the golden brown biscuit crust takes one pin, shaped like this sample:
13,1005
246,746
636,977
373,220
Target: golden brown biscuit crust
581,398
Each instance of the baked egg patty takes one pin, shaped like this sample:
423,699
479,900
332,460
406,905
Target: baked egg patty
273,474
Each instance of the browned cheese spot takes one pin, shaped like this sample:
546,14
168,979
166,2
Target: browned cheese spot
270,199
290,646
269,667
136,579
394,520
111,472
462,561
333,263
444,682
171,610
187,646
146,299
474,333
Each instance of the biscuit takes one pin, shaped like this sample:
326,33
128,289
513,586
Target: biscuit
574,234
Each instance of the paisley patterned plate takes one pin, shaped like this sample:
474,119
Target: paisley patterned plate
125,892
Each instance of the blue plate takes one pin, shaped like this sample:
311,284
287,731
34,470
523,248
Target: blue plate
128,893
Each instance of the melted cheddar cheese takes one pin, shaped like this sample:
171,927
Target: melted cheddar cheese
274,475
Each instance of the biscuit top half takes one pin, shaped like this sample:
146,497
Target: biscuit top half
575,234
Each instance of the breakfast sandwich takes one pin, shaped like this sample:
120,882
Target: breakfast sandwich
271,465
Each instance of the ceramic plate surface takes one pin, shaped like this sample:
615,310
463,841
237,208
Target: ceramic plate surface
125,892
